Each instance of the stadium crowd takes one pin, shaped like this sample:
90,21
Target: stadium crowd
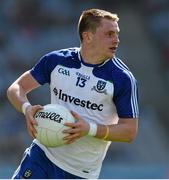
157,15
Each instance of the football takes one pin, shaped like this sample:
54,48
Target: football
50,122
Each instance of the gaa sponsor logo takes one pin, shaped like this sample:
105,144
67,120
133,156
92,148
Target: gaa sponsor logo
64,71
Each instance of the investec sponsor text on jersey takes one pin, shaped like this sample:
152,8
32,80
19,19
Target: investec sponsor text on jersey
76,101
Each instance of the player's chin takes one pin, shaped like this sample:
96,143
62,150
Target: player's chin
110,55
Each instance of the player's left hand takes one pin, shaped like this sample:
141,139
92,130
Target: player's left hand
78,129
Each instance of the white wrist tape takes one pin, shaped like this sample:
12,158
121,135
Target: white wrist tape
24,106
93,129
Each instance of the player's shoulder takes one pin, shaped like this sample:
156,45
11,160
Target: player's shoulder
122,69
65,57
63,53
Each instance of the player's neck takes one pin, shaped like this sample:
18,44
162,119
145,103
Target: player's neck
90,56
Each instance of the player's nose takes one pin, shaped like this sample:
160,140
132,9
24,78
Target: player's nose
116,39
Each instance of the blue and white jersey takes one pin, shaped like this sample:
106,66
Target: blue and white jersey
100,93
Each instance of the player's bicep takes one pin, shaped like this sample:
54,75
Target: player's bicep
27,82
131,125
131,122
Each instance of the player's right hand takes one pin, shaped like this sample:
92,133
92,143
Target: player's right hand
30,121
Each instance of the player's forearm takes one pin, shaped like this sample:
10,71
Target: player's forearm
16,96
121,132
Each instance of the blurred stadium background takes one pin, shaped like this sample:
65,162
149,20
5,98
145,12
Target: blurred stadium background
31,28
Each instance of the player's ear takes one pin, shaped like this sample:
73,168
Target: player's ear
87,36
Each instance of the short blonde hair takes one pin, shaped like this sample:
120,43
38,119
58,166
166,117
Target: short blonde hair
90,20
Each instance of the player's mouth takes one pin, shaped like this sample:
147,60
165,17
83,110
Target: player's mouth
113,49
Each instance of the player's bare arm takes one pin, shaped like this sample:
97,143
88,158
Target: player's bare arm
17,94
18,90
124,131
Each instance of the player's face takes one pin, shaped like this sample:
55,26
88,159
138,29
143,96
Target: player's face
106,39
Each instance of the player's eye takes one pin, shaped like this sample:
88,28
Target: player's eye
110,34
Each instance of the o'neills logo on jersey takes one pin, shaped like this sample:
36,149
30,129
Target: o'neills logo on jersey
76,101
